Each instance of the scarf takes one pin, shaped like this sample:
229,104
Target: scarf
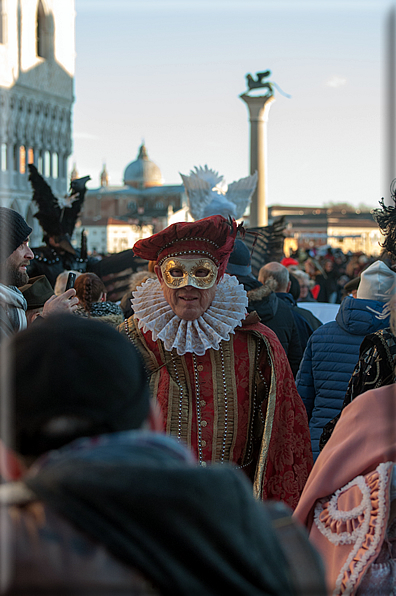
100,309
14,308
226,312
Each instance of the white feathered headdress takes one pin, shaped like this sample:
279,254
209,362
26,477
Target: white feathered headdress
208,194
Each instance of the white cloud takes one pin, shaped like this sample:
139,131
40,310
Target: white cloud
336,82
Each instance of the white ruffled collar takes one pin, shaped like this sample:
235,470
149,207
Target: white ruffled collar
226,312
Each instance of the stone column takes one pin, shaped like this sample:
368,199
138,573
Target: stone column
390,99
259,107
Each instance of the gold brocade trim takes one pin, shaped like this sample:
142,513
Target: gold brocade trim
252,347
230,367
178,387
225,404
187,415
261,466
216,405
179,417
138,340
173,392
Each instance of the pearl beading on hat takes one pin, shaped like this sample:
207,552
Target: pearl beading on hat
189,252
189,240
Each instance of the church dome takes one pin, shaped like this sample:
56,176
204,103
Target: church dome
142,173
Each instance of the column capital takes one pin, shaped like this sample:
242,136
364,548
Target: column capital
258,105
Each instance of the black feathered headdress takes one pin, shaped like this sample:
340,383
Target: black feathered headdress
386,219
55,220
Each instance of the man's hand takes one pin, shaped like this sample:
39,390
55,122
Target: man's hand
65,303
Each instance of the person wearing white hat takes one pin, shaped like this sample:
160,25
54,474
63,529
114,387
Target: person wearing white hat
333,350
377,356
377,282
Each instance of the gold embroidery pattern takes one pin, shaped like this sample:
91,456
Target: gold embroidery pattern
179,419
225,404
268,425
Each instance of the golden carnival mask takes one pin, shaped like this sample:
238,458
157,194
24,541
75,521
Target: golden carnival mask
199,273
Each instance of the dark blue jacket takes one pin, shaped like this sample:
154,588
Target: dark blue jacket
329,359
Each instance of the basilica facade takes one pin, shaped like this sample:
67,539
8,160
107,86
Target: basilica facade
115,217
37,55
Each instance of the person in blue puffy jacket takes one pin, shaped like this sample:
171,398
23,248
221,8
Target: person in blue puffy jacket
333,349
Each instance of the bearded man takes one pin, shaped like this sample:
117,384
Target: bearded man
221,378
15,256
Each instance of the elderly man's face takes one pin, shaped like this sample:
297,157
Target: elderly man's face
16,264
304,288
187,302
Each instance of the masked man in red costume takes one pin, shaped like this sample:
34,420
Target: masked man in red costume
221,378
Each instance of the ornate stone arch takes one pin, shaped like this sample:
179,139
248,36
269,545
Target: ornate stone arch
21,119
44,30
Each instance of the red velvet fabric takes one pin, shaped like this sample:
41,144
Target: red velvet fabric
289,460
289,456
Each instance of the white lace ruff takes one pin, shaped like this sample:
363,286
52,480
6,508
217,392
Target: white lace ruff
226,312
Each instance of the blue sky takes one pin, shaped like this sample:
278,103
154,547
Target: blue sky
171,73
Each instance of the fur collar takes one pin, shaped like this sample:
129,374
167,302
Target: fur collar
263,291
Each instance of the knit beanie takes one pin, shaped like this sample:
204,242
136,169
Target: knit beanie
67,366
377,282
239,261
14,231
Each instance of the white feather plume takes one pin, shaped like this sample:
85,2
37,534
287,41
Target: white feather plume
208,193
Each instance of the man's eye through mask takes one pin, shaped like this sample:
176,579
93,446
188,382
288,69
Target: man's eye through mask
199,273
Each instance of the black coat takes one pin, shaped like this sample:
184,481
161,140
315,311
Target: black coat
306,322
249,282
278,316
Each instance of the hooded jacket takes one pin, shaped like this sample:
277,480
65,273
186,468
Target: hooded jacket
329,359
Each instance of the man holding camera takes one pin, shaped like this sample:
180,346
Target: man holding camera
15,256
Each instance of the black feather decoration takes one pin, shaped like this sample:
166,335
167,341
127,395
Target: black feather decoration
49,213
54,220
265,244
84,248
386,219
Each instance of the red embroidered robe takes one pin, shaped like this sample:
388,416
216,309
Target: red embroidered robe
237,404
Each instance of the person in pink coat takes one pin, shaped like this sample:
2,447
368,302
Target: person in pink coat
349,501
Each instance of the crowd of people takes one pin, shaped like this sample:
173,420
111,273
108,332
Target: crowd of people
179,442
